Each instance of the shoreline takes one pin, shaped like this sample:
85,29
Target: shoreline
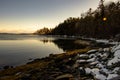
54,67
41,65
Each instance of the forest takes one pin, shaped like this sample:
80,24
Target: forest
104,22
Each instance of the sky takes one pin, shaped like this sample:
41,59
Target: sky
26,16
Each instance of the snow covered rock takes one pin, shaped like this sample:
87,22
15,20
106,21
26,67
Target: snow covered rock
100,63
81,61
110,76
116,58
91,60
84,56
92,51
97,75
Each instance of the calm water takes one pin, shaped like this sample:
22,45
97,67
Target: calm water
18,49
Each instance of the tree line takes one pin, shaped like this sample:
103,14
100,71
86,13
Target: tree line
104,22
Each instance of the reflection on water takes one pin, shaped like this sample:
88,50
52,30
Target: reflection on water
68,44
18,49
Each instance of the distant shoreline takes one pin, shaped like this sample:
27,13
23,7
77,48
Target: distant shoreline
16,33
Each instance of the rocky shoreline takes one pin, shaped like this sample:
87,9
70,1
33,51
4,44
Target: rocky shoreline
81,64
102,64
50,68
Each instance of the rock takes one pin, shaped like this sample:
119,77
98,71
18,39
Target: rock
70,62
25,78
96,73
105,56
65,60
100,66
84,56
94,63
81,61
4,77
111,40
56,74
91,51
87,70
116,78
114,62
11,67
107,49
70,59
76,65
82,71
111,76
92,56
100,50
65,77
117,37
51,55
91,60
116,70
6,67
103,64
18,73
65,68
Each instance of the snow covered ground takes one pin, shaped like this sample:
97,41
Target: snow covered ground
105,41
103,63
